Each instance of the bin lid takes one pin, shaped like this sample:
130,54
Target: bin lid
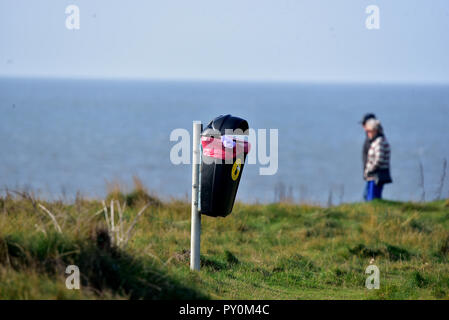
224,147
218,126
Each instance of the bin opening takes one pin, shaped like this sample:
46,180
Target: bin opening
224,147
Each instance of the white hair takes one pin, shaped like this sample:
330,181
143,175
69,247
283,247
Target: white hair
372,124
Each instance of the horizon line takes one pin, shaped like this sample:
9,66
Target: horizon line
229,80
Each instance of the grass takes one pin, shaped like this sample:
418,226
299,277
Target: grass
273,251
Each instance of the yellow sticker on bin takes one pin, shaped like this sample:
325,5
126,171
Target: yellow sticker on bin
236,169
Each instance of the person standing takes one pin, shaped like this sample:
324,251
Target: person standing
376,159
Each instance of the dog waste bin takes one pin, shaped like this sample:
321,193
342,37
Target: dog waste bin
222,164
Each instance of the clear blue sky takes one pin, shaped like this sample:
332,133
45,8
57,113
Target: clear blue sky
313,40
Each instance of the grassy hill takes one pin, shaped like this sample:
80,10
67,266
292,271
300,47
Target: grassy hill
275,251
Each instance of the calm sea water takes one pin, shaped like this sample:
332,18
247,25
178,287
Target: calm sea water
58,137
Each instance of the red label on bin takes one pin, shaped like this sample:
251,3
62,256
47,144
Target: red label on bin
224,147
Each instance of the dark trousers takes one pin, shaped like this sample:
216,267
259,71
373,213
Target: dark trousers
373,191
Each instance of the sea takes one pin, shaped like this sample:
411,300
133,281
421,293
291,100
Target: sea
63,137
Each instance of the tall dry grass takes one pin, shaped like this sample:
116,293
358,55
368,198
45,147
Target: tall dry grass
261,251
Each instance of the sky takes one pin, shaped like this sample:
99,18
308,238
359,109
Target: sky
254,40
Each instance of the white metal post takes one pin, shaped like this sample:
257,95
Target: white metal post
195,229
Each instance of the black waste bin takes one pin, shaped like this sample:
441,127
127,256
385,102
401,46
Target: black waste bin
223,157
